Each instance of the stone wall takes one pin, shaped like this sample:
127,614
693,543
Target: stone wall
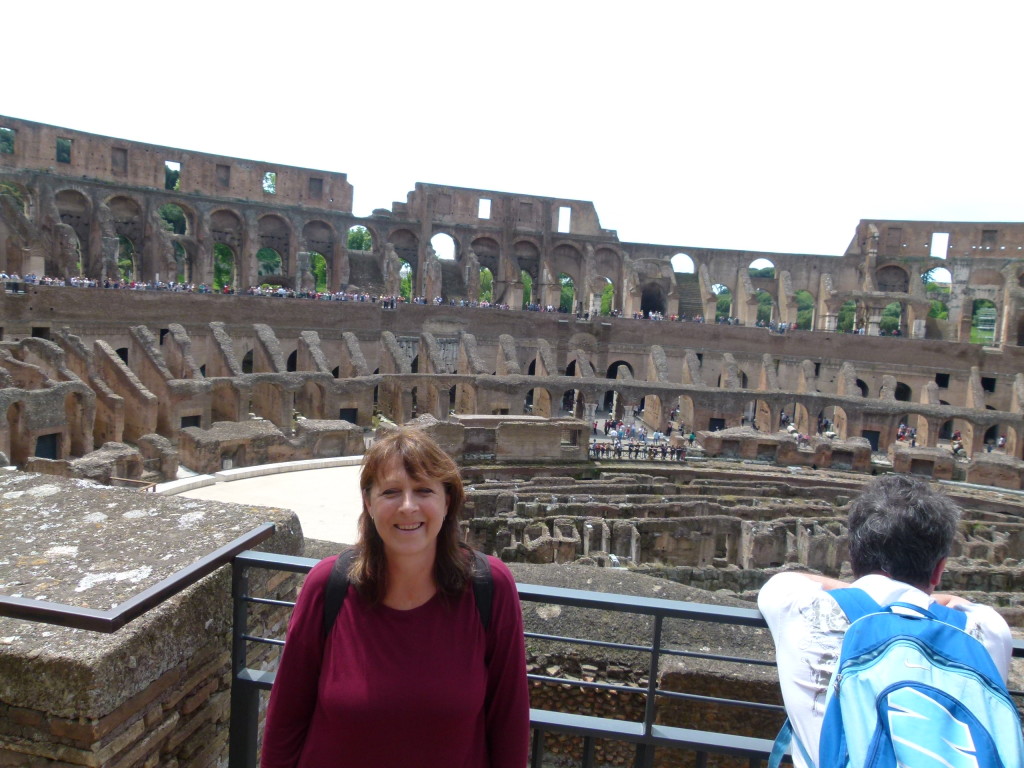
155,692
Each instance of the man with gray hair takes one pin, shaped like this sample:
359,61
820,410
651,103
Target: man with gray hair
900,533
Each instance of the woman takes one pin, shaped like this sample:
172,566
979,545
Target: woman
407,676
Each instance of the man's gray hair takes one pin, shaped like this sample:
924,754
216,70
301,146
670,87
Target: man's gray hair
901,527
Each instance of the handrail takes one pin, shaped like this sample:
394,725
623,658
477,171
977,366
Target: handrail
645,735
114,618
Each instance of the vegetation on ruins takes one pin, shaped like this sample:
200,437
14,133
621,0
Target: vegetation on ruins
359,239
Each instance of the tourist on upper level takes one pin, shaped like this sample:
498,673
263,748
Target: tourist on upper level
408,674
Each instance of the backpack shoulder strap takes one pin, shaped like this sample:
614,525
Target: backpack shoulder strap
336,589
856,603
483,587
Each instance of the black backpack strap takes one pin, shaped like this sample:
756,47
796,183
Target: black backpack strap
483,587
336,589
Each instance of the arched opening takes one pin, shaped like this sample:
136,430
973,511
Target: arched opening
127,266
573,403
570,369
292,364
568,296
223,267
405,273
903,392
269,263
318,267
862,387
983,321
891,323
765,307
444,246
527,280
359,239
538,402
892,279
613,369
991,435
486,285
847,316
761,268
652,300
681,262
804,310
723,304
247,362
607,298
174,219
937,286
182,265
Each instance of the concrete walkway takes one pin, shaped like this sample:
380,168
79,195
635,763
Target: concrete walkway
327,501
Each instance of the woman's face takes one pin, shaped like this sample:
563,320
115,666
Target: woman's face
406,512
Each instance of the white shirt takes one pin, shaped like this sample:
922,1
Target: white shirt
808,627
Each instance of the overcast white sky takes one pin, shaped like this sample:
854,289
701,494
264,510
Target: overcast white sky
770,126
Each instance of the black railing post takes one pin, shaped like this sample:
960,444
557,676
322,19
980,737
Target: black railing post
245,699
645,752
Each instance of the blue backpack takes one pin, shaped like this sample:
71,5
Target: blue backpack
913,689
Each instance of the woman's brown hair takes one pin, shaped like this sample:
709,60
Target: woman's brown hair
422,459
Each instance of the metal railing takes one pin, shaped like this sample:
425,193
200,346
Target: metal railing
645,735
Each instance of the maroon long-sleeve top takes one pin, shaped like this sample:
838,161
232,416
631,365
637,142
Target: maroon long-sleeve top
425,687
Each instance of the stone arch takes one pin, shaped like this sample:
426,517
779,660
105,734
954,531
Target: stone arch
863,387
275,233
72,254
127,213
269,265
406,246
651,413
613,369
840,422
129,265
805,310
445,245
682,263
311,401
538,402
524,267
225,267
226,227
904,392
79,431
723,301
177,220
488,253
761,269
892,279
319,236
320,269
292,364
567,298
685,415
573,403
653,299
